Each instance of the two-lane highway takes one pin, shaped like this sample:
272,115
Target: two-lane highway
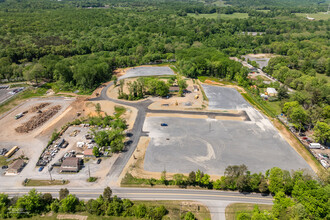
214,199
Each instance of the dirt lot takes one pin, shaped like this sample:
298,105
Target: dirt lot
109,108
193,99
9,123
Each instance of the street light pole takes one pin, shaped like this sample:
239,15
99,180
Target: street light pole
51,179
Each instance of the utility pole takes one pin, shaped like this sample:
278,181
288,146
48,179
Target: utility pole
50,174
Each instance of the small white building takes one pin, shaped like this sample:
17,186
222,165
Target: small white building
271,92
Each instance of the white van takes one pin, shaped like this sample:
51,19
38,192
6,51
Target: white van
315,146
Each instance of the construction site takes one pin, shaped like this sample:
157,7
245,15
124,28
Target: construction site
203,129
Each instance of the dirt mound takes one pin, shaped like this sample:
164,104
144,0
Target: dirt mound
38,107
38,120
212,82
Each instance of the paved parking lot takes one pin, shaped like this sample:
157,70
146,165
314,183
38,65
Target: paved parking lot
224,98
212,145
147,71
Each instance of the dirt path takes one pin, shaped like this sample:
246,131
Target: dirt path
210,82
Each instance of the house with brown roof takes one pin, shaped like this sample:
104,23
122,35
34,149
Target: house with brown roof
16,167
70,164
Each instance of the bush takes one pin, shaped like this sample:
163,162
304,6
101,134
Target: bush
91,179
188,216
140,211
69,204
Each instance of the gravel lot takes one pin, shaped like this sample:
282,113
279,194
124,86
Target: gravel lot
212,145
147,71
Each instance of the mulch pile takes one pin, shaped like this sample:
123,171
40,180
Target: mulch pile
38,107
38,120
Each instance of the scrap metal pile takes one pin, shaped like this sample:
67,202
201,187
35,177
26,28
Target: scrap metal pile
38,120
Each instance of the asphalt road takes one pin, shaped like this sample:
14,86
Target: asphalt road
155,194
137,132
216,201
4,94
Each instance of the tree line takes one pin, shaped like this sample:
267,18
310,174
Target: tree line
296,190
35,203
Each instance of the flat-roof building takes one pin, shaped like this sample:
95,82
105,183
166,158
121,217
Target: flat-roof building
70,164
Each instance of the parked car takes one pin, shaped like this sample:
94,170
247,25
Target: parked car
4,167
41,168
163,124
302,134
304,138
99,161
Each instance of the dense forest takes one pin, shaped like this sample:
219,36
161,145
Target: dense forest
76,45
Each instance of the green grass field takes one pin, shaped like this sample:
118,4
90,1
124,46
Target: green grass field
317,16
46,182
222,16
232,210
3,161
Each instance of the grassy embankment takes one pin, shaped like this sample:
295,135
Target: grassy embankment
3,161
32,182
234,209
